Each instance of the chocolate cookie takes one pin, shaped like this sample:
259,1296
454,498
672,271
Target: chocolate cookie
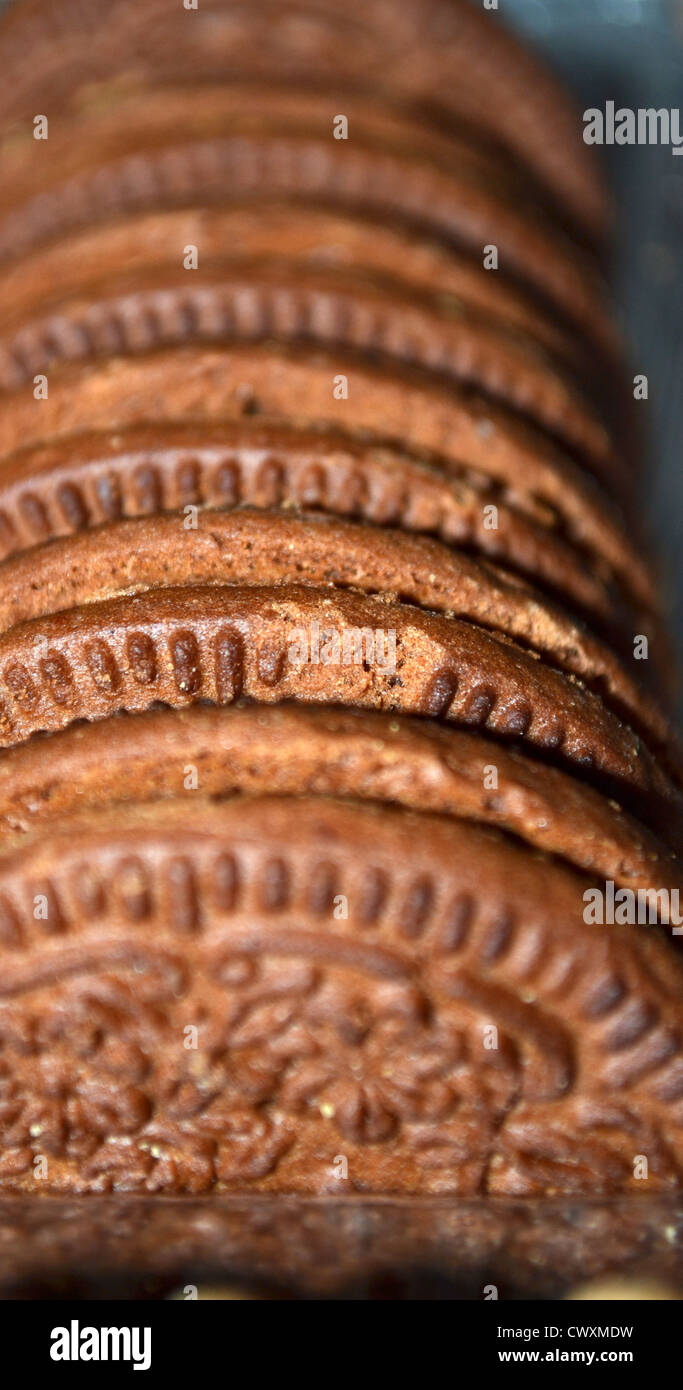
80,187
274,643
150,119
292,749
265,547
323,736
84,480
342,390
445,58
308,235
241,997
349,312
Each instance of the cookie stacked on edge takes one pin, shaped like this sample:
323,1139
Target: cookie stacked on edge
331,773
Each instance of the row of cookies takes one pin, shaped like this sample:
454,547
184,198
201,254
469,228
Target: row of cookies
321,701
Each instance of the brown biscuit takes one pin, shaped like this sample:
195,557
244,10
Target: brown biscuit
265,547
354,947
248,996
308,235
400,406
173,306
85,479
444,58
293,749
318,646
151,119
78,189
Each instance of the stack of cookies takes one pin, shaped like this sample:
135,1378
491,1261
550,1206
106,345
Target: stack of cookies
340,811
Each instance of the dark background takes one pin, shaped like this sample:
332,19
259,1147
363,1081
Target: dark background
631,51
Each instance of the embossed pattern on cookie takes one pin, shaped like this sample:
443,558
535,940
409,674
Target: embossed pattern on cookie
311,1033
83,480
345,312
273,643
263,547
385,185
401,406
410,54
292,749
333,741
304,235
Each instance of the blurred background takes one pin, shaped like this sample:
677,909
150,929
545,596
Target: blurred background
631,52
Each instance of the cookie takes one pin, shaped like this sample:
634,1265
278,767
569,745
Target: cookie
294,749
266,547
236,996
204,111
84,480
342,390
447,59
307,235
273,643
79,188
322,730
335,311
